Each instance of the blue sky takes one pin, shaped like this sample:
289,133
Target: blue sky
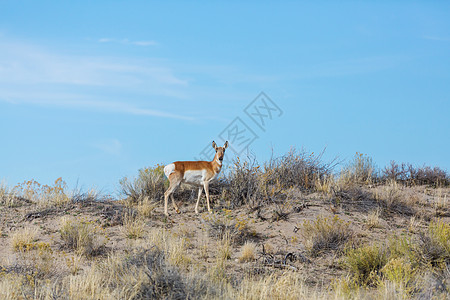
94,90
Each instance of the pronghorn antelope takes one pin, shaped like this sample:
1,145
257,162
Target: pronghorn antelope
197,173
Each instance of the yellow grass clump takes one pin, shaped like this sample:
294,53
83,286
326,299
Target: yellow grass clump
248,252
22,240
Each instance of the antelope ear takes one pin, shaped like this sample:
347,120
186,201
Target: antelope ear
226,145
214,145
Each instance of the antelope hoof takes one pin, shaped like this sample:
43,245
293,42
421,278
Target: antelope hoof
178,211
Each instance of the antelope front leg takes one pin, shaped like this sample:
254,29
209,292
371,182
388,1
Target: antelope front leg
200,189
206,185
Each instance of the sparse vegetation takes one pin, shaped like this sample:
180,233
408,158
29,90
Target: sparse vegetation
133,226
391,198
299,169
373,218
408,174
243,184
361,169
44,195
149,185
372,234
325,233
434,245
81,236
7,196
234,227
365,264
23,239
248,252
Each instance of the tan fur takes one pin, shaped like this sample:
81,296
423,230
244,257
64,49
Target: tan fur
210,170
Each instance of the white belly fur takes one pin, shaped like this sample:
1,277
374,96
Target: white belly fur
195,177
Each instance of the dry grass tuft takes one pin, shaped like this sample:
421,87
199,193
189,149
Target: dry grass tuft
81,236
365,264
289,285
360,170
434,245
8,196
391,197
248,252
224,248
150,184
174,247
133,226
373,218
235,227
45,196
325,234
146,207
22,240
145,274
414,224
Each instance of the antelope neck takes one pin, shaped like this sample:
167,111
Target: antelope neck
217,164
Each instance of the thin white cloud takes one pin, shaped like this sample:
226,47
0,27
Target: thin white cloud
128,42
30,64
121,107
30,74
84,102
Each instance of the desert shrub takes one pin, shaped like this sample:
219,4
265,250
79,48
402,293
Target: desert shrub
224,248
428,175
360,169
434,285
249,184
434,245
145,207
411,175
386,198
44,195
298,169
391,198
397,172
149,184
352,195
92,195
236,228
325,234
365,264
81,236
248,252
144,274
400,272
373,218
242,183
27,286
286,286
400,262
23,239
133,226
8,196
173,246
